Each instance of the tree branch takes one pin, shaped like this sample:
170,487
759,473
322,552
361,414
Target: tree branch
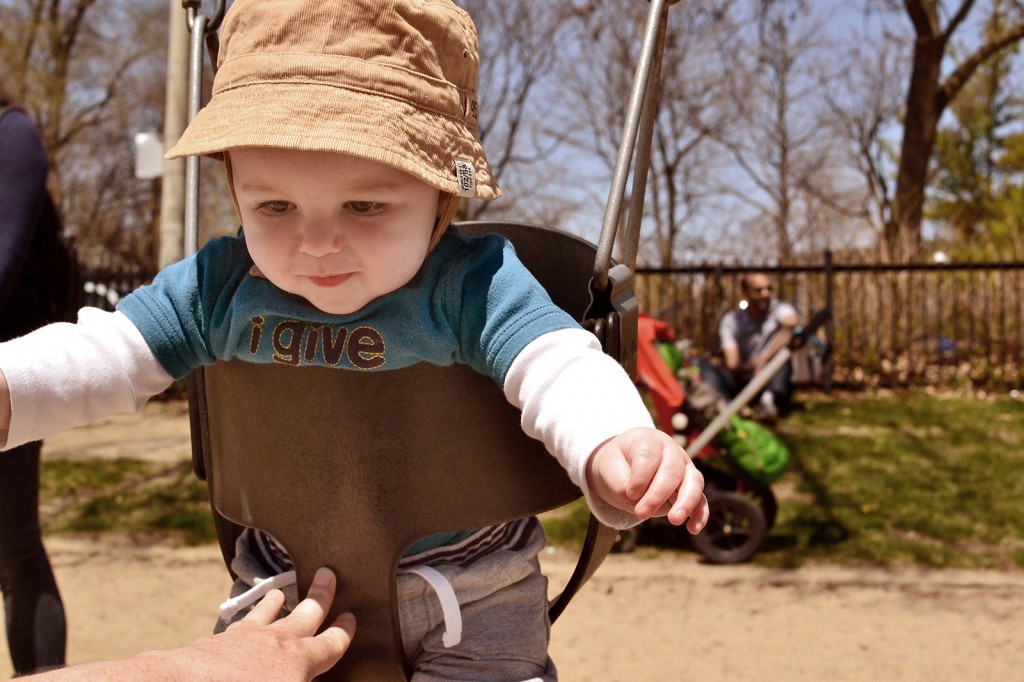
956,80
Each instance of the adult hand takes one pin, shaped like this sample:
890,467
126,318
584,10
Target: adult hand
258,647
303,653
261,647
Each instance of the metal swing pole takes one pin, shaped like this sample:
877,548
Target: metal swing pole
202,29
642,107
613,313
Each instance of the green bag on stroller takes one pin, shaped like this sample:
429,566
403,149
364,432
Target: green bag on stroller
759,451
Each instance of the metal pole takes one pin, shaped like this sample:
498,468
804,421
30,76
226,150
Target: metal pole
648,116
620,176
172,189
829,329
195,97
759,381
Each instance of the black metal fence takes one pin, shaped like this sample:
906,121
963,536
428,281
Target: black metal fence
950,325
104,288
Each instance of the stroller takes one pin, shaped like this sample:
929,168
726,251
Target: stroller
738,458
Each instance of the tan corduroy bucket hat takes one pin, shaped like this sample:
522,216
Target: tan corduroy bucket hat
392,81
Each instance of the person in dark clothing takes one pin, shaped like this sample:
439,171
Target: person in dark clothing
34,612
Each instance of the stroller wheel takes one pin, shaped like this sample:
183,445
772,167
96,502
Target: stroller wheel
736,529
625,540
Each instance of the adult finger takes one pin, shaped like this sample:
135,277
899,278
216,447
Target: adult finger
264,613
329,646
307,616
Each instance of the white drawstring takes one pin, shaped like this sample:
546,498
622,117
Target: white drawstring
232,606
449,603
450,610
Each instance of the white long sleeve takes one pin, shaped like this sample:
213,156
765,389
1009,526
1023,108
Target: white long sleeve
573,398
66,375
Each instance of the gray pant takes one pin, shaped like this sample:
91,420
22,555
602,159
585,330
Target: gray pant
505,628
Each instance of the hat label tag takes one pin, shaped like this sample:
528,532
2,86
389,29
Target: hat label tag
465,174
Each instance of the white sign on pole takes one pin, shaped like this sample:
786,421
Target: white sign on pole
149,155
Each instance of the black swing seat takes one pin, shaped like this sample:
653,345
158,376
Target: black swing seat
347,469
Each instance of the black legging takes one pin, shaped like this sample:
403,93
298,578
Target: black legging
34,613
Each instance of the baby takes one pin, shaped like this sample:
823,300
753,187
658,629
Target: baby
348,130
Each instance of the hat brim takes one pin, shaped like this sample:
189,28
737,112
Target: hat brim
317,117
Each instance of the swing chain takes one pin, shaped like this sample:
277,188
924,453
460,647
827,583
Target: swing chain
191,8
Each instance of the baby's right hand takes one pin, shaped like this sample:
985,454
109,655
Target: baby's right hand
645,472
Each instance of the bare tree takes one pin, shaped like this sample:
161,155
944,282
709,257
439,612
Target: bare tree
792,177
521,44
596,92
866,102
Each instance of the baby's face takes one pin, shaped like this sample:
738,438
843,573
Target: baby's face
335,229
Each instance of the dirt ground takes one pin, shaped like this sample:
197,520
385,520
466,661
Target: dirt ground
642,617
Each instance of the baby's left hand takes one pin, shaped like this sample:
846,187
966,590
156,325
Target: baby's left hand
644,471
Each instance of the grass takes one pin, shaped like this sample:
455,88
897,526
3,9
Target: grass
910,479
903,479
907,479
142,499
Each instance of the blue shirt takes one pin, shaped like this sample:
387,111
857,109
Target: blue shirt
472,302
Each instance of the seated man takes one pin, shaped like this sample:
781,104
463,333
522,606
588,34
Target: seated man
749,338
